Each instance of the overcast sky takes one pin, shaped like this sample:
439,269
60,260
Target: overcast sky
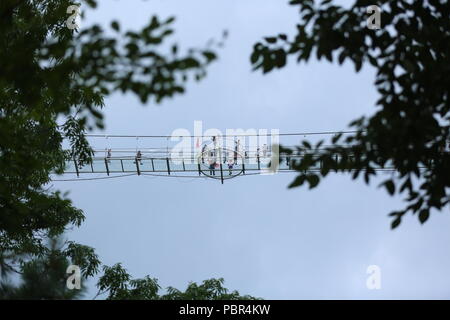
264,239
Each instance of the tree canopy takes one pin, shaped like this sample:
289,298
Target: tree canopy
53,82
45,278
117,284
410,129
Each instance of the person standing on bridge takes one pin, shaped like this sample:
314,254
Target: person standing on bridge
203,153
108,155
139,157
230,165
212,166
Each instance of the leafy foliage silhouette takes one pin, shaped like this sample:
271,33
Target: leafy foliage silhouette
53,82
49,73
118,285
44,277
410,130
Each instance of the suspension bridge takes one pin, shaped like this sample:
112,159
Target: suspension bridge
214,157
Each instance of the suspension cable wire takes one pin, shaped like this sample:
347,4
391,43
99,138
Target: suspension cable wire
234,135
204,177
95,178
174,176
164,149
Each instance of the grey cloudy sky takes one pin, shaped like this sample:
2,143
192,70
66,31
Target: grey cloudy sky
265,240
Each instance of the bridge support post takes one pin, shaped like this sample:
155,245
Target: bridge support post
137,167
106,165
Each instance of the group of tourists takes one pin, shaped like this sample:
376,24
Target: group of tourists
230,157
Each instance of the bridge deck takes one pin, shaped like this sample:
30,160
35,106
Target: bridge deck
169,166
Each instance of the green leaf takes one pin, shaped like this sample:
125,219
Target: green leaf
396,222
390,186
299,180
115,25
271,39
424,215
254,57
313,181
209,55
